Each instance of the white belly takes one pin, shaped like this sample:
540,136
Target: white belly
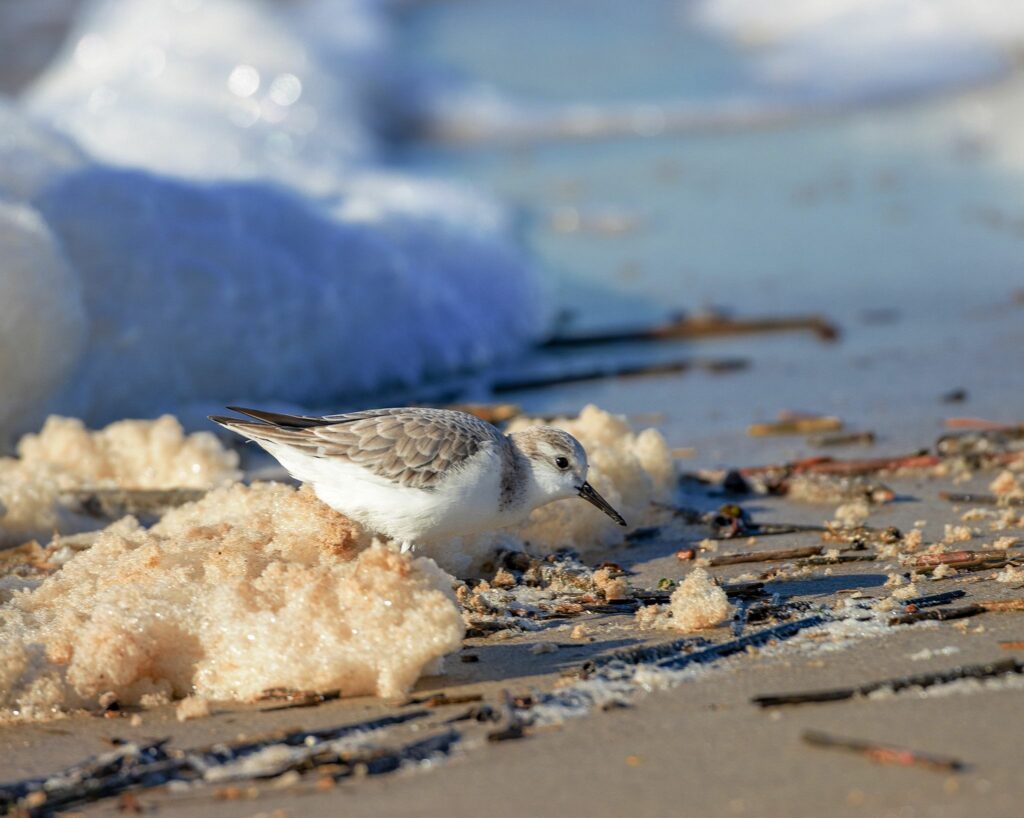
465,502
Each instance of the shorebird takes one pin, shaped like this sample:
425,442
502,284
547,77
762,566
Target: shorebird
420,475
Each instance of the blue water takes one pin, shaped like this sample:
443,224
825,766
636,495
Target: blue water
898,223
577,50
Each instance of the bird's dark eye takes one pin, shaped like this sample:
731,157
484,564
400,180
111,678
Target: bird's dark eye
562,462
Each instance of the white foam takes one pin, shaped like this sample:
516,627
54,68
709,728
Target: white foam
865,49
221,259
224,89
247,292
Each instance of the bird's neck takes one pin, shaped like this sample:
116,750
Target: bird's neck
517,487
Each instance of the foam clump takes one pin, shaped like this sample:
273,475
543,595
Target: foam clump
697,604
129,454
249,589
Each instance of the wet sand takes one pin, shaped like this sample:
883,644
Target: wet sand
701,748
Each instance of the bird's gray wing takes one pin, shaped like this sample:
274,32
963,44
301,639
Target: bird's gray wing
411,447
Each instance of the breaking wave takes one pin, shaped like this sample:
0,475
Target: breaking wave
194,209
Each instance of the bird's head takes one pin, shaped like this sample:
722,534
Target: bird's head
559,467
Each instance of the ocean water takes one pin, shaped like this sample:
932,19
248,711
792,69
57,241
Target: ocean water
899,221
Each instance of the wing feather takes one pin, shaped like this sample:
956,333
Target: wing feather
411,447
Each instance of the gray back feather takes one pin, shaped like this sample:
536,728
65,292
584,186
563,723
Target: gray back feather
410,446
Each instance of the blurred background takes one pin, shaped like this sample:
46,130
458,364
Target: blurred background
329,204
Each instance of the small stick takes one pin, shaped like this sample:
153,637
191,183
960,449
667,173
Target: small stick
700,327
849,439
885,753
931,600
442,699
836,560
1012,644
953,557
922,680
795,426
295,698
982,564
981,499
828,465
766,556
938,615
624,371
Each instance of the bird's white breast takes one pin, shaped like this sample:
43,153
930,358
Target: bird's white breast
465,501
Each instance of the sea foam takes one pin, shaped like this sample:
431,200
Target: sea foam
203,178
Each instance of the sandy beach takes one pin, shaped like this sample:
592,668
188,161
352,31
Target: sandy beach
700,747
780,253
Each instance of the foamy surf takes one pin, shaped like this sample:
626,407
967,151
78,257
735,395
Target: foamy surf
212,205
848,50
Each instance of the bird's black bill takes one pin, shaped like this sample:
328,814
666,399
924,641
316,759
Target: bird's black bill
587,493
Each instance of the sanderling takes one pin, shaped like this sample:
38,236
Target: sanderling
419,475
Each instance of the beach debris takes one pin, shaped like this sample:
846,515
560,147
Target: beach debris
956,557
846,439
697,604
943,563
681,653
795,424
985,444
765,556
131,766
920,681
962,611
1012,644
509,713
735,483
291,698
444,699
852,514
980,499
931,600
709,325
542,380
857,466
735,590
884,753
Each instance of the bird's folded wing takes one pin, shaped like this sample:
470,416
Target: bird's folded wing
411,447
